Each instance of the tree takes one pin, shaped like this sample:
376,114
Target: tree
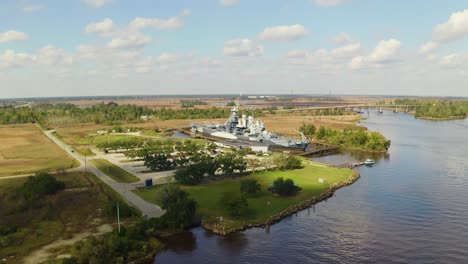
250,187
307,129
287,162
189,175
158,162
321,133
236,205
39,185
180,208
284,187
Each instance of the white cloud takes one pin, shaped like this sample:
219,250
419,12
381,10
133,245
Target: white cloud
428,47
297,54
10,58
103,27
454,60
160,24
242,47
51,55
31,8
455,28
283,33
97,3
129,41
12,35
346,51
383,53
342,38
229,2
329,2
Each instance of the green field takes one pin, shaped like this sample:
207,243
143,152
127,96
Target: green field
25,149
208,195
77,209
113,171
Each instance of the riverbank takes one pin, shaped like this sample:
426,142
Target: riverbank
440,119
217,227
317,180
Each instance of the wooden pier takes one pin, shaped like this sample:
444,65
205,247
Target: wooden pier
350,165
319,149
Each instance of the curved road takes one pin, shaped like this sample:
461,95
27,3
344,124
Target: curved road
124,189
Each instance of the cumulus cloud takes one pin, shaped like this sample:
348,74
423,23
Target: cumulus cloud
160,24
97,3
103,27
455,28
242,47
283,33
329,2
12,35
342,38
10,58
51,55
454,60
229,2
382,54
428,47
31,8
129,41
346,51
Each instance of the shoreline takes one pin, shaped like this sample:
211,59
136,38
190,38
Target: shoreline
214,226
440,119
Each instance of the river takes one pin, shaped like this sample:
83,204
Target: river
410,207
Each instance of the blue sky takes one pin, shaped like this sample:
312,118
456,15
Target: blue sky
100,47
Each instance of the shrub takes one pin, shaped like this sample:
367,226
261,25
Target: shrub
124,210
236,205
180,208
287,162
250,187
284,187
39,185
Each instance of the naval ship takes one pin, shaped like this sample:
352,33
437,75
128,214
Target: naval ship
246,128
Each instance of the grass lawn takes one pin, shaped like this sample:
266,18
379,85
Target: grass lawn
113,171
75,210
25,149
208,195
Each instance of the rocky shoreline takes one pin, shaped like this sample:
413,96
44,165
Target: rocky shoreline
217,228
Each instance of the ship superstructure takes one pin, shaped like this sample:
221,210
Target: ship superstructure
247,128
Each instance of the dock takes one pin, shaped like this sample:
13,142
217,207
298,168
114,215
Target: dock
350,165
319,149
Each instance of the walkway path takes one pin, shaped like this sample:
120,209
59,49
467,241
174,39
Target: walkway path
124,189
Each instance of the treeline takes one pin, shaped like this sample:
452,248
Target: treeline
191,103
56,114
204,113
443,110
110,114
437,109
352,138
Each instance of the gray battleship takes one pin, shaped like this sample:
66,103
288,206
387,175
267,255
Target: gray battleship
247,129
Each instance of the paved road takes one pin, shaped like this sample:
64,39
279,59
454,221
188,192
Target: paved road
124,189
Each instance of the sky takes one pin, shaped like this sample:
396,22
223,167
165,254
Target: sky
151,47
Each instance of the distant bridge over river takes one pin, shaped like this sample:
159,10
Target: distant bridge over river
396,108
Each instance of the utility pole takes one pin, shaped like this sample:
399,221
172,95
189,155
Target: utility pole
118,217
85,167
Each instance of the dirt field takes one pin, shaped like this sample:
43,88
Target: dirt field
77,210
24,149
288,124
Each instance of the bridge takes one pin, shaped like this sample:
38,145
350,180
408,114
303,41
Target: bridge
396,108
